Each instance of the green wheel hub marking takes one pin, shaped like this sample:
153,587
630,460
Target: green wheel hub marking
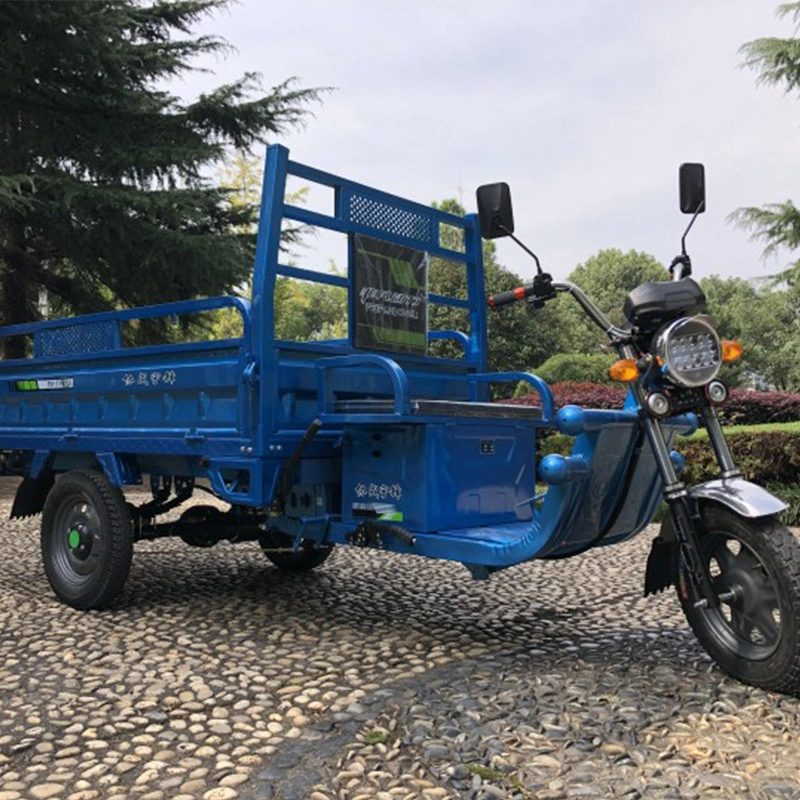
74,538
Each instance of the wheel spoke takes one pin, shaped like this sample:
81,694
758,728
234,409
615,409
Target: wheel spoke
767,595
741,624
747,560
765,622
725,558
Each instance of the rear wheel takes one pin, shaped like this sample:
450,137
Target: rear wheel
278,548
754,631
86,539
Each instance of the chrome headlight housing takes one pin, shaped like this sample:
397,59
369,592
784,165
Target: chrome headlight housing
689,350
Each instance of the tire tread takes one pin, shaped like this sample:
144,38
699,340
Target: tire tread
785,550
119,538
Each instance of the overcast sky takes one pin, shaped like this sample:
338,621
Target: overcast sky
585,108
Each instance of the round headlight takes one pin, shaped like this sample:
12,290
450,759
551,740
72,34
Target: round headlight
690,351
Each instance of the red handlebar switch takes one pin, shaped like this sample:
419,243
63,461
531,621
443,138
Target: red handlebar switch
506,298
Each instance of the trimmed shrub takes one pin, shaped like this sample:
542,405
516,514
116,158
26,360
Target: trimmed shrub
742,408
558,443
758,408
772,457
764,458
790,494
576,368
590,395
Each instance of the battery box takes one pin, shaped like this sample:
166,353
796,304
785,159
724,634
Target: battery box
430,476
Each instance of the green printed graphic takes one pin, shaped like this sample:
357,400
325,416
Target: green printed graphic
391,296
401,269
43,384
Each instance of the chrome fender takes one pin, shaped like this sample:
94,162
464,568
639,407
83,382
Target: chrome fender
743,497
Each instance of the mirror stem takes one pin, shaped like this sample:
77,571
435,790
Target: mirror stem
526,249
689,226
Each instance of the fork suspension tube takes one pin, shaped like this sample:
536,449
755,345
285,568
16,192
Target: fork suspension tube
681,507
719,443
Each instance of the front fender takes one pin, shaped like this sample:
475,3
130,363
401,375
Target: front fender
743,497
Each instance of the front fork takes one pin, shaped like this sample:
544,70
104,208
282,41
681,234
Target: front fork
684,512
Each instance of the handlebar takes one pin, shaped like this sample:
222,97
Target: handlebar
539,292
507,298
545,289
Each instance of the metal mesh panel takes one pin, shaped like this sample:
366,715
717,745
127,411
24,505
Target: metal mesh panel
383,216
91,337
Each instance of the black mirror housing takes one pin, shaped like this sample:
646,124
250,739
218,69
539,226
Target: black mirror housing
494,210
692,180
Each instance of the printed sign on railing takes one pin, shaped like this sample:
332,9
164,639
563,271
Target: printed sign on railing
391,296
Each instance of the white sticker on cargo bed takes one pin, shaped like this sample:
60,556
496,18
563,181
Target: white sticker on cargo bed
40,384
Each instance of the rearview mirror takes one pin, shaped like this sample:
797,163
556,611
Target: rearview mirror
692,179
494,210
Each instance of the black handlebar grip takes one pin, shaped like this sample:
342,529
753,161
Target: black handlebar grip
506,298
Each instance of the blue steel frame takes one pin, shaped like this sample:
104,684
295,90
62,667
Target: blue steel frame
232,411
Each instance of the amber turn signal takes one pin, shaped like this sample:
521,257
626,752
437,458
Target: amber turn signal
731,351
624,371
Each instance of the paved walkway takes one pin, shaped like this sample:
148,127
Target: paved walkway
377,676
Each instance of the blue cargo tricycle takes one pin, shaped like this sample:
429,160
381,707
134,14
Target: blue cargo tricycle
378,441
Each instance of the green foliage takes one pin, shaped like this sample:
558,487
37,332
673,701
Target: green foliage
767,322
104,194
486,773
309,311
558,443
768,457
577,367
607,278
777,62
776,224
517,335
304,312
790,494
376,736
772,427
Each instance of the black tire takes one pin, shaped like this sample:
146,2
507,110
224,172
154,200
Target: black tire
754,634
305,559
86,539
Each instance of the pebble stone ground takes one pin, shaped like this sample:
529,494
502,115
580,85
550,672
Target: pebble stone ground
219,677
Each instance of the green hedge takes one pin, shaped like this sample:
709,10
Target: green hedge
770,458
576,367
791,496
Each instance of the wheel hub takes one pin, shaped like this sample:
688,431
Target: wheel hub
746,615
79,541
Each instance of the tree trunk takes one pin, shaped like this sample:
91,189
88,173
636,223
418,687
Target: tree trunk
19,296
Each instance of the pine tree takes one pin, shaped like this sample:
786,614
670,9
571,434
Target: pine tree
778,63
105,198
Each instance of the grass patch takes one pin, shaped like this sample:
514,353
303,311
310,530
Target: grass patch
376,737
485,773
769,427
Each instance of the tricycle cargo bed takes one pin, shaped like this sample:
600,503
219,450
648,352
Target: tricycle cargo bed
238,412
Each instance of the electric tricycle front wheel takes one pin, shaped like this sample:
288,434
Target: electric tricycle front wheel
87,539
753,633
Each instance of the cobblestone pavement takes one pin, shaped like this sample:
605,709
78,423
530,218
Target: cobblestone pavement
219,677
